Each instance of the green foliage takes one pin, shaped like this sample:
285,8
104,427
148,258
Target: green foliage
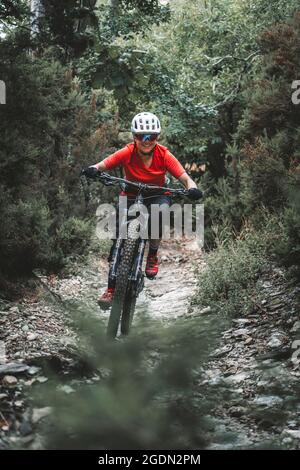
224,212
265,159
24,233
145,396
11,11
48,133
68,24
218,73
228,283
128,17
71,238
117,60
289,247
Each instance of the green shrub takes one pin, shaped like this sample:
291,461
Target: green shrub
228,282
288,249
24,234
49,131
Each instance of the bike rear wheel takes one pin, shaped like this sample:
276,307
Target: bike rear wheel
120,298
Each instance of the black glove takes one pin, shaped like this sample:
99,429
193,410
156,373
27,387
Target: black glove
90,172
195,194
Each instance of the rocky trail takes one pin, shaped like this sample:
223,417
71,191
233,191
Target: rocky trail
251,376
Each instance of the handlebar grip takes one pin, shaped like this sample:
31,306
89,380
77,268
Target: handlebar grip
90,172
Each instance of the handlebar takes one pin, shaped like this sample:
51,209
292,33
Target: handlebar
109,180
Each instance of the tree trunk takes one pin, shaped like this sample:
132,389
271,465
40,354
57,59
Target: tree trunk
37,11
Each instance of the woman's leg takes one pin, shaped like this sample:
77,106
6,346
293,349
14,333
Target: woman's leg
152,259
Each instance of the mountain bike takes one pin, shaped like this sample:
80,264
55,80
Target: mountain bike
127,257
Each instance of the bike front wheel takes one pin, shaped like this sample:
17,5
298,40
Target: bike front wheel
120,300
128,311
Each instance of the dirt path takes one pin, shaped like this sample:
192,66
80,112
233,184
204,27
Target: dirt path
249,379
164,298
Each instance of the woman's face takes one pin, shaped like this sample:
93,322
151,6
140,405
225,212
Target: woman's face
146,147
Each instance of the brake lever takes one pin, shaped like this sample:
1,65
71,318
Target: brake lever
123,186
108,183
181,192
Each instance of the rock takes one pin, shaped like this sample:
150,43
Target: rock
222,351
28,383
287,440
237,378
104,372
268,400
276,340
13,368
262,384
42,379
40,413
19,403
237,411
240,332
20,442
25,328
249,340
9,380
33,370
205,310
292,424
25,428
14,309
295,434
32,336
296,327
242,321
3,395
275,306
66,389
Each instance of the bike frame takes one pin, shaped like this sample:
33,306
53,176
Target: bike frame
136,276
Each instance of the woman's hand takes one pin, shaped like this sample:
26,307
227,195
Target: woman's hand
90,171
195,194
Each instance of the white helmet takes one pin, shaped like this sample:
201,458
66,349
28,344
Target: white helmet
145,123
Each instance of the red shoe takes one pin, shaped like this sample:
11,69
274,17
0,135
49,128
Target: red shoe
105,300
151,266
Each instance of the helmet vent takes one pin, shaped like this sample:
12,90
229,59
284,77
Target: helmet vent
143,122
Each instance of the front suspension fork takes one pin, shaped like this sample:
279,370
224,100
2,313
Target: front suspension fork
136,276
137,264
115,259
